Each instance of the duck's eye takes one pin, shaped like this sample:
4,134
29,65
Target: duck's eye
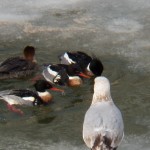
36,102
57,79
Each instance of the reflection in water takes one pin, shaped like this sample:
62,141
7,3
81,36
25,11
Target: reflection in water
46,120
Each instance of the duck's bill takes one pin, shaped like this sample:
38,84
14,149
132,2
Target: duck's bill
56,89
83,75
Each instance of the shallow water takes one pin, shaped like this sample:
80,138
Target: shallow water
116,31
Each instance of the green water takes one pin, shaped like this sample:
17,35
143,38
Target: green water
116,32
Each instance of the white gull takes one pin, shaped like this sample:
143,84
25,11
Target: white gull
103,127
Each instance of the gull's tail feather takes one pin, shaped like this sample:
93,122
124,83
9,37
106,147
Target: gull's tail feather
102,143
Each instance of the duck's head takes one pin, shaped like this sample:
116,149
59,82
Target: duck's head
29,53
75,70
61,78
95,68
42,86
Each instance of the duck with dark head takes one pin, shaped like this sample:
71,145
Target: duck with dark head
29,97
90,66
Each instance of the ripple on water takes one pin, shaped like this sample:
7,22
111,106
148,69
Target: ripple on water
131,142
135,143
123,25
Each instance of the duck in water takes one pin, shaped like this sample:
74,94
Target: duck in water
28,97
19,67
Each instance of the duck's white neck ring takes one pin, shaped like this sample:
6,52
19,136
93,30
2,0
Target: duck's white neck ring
43,93
88,67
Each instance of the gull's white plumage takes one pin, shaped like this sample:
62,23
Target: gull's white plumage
103,127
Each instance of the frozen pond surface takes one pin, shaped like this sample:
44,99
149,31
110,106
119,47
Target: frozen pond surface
117,31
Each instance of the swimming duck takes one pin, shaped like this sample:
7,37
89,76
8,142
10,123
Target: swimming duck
62,74
90,65
103,127
19,67
28,97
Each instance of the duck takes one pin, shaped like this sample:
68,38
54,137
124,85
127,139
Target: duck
29,97
19,66
103,127
61,74
91,66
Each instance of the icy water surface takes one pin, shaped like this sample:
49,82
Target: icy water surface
117,31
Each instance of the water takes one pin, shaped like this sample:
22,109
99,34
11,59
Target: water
117,31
